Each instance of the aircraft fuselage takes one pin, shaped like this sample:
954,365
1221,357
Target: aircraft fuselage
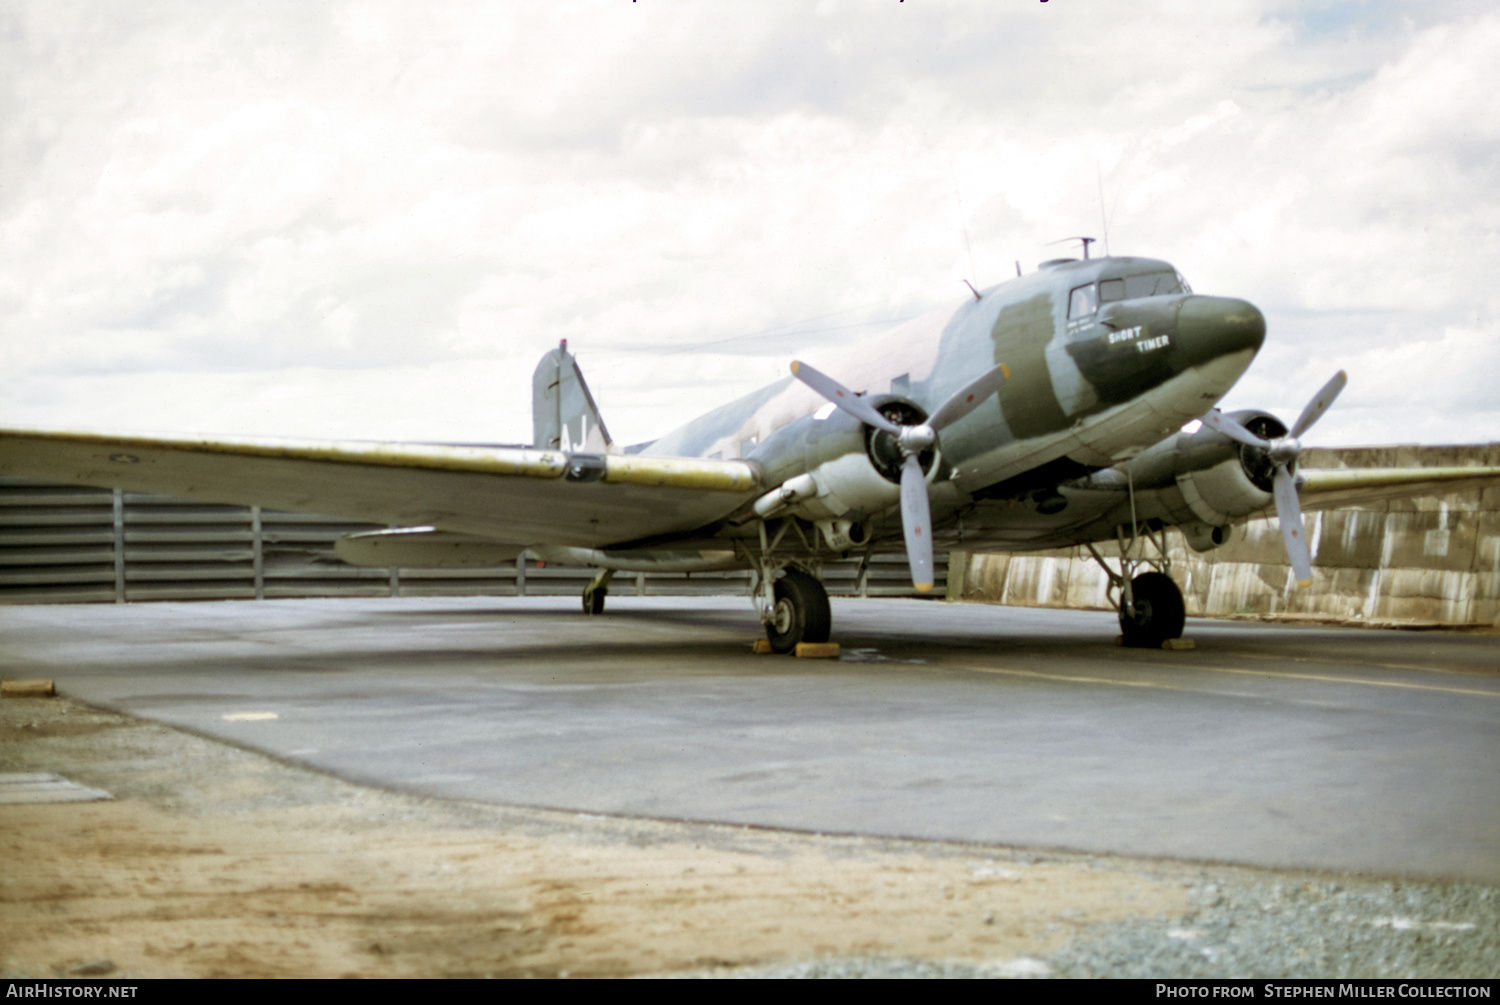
1105,357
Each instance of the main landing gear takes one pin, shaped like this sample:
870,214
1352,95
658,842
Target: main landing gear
1156,612
1150,605
792,604
799,612
596,591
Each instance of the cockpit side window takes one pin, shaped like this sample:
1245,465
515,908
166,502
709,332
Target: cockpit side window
1111,290
1152,284
1082,302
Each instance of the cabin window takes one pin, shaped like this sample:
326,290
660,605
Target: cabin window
1111,290
1081,302
901,384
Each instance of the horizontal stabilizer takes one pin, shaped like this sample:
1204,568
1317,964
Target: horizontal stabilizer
423,548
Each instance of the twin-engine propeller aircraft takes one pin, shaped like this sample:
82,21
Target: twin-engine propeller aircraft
1047,411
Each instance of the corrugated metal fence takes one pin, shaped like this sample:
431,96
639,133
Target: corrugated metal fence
69,544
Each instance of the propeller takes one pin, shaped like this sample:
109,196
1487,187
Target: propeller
916,509
1284,452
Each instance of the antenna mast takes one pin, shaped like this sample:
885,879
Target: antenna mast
1086,242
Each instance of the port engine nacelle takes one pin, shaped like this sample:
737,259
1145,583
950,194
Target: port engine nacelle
1203,481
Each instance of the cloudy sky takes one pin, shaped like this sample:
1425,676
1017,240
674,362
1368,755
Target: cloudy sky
368,220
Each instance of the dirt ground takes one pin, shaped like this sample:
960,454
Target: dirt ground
213,861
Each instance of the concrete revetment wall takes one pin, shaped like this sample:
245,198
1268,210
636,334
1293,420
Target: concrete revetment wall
1427,560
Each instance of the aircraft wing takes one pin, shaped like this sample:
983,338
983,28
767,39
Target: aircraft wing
1333,488
517,495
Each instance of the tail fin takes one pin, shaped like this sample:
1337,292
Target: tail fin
563,413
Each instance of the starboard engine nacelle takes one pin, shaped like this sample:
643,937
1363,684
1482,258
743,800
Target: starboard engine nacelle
850,471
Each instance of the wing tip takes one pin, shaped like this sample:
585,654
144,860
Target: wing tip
923,587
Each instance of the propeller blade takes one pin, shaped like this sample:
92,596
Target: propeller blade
1224,424
916,521
843,398
1315,408
969,398
1293,528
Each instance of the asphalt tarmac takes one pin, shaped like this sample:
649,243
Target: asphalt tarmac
1271,745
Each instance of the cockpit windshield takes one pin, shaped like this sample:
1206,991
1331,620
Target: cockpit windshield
1151,284
1082,302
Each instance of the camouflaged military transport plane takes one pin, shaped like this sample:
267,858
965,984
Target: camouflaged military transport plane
1046,411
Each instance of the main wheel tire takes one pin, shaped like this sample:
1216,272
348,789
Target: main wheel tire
593,600
1159,612
801,613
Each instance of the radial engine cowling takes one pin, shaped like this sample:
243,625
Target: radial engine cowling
1221,480
855,471
1203,481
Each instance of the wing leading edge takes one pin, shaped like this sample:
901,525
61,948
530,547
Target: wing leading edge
1332,488
513,494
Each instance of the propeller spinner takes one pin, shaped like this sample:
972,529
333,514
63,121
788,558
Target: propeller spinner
916,507
1283,452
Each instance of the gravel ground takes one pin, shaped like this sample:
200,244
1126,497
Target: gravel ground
216,861
1309,928
1244,927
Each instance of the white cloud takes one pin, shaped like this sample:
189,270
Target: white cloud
370,219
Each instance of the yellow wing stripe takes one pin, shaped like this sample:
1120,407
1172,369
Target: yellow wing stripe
681,472
673,472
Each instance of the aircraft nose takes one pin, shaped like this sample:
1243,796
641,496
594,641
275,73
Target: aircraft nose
1211,327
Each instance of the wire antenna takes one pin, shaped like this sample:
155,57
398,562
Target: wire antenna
963,217
1103,217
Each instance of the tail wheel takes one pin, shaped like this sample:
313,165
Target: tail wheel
1159,611
593,600
801,613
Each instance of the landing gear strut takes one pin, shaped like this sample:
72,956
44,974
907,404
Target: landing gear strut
596,591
